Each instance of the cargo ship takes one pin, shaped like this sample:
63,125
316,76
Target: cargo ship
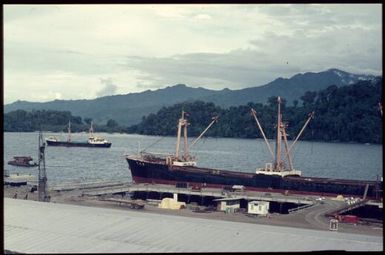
277,176
93,141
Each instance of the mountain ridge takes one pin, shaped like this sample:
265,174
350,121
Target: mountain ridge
128,109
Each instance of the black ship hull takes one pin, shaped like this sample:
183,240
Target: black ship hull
24,161
78,144
14,163
144,171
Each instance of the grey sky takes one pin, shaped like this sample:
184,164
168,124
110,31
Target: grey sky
87,51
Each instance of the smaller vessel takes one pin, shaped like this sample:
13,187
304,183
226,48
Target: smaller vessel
93,141
22,161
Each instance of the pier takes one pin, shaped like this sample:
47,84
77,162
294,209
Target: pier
146,191
204,196
299,211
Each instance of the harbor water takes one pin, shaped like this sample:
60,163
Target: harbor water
75,164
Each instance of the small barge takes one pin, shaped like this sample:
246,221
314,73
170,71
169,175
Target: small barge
24,161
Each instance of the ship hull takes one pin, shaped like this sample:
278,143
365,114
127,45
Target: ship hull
157,172
78,144
14,163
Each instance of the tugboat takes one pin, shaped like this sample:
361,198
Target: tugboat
23,161
93,141
274,177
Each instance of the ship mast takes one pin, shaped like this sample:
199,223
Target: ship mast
278,163
287,150
186,155
278,166
91,131
69,131
182,123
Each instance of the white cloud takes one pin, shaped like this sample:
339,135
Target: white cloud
108,89
62,51
202,17
58,96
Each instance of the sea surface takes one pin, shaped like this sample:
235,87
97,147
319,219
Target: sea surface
316,159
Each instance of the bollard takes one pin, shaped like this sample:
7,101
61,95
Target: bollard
333,225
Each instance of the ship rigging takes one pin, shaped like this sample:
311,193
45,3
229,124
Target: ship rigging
278,176
279,166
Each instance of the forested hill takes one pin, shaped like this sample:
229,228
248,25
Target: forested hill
342,114
55,121
128,109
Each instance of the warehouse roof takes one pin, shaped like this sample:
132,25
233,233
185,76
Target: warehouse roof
37,227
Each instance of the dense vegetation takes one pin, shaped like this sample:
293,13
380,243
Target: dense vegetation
342,114
56,121
345,114
128,109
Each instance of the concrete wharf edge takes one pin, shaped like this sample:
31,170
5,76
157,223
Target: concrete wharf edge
38,227
216,193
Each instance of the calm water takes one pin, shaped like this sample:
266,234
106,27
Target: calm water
349,161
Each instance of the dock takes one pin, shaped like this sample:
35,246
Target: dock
204,192
134,204
109,188
19,179
284,209
87,185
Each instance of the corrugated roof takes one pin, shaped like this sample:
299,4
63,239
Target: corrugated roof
37,227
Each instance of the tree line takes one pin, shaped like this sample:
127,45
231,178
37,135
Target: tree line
342,114
55,121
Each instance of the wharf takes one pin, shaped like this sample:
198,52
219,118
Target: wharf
308,216
19,179
316,211
88,185
204,192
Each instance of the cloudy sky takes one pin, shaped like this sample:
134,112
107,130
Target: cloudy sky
88,51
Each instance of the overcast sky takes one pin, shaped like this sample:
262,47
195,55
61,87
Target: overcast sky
88,51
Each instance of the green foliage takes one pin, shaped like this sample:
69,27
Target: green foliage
56,121
345,114
23,121
112,123
342,114
88,121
